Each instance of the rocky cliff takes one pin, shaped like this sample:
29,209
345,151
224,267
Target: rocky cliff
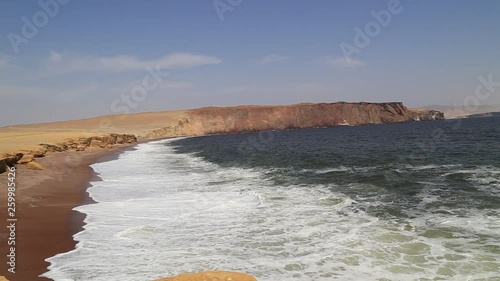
219,120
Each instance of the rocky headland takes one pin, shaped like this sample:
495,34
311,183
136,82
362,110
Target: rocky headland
23,144
239,119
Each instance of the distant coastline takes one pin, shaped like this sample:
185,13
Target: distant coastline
23,144
487,114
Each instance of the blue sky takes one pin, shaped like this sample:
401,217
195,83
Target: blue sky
90,53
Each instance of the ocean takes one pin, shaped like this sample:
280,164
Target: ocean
407,201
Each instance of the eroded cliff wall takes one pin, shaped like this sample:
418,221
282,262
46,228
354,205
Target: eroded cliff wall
219,120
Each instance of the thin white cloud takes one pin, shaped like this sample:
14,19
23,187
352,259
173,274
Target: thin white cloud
5,61
271,58
344,62
64,63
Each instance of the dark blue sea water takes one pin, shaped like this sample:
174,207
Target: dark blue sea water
455,160
410,201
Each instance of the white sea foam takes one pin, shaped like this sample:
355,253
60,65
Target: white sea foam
160,213
340,169
430,167
484,178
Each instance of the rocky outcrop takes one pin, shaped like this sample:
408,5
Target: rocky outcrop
219,120
426,115
80,144
3,166
28,157
211,276
9,160
182,128
34,166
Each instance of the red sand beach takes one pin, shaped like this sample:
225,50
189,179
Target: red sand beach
46,222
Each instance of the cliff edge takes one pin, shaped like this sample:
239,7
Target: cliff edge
220,120
23,144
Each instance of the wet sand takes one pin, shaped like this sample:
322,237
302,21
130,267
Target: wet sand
46,222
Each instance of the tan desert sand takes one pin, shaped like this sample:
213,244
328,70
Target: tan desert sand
28,137
211,276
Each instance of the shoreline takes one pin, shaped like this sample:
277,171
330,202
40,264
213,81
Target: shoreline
45,200
45,226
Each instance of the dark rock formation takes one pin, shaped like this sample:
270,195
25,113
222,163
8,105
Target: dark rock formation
3,166
11,160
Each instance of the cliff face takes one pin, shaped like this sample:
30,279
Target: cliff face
217,120
220,120
426,115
